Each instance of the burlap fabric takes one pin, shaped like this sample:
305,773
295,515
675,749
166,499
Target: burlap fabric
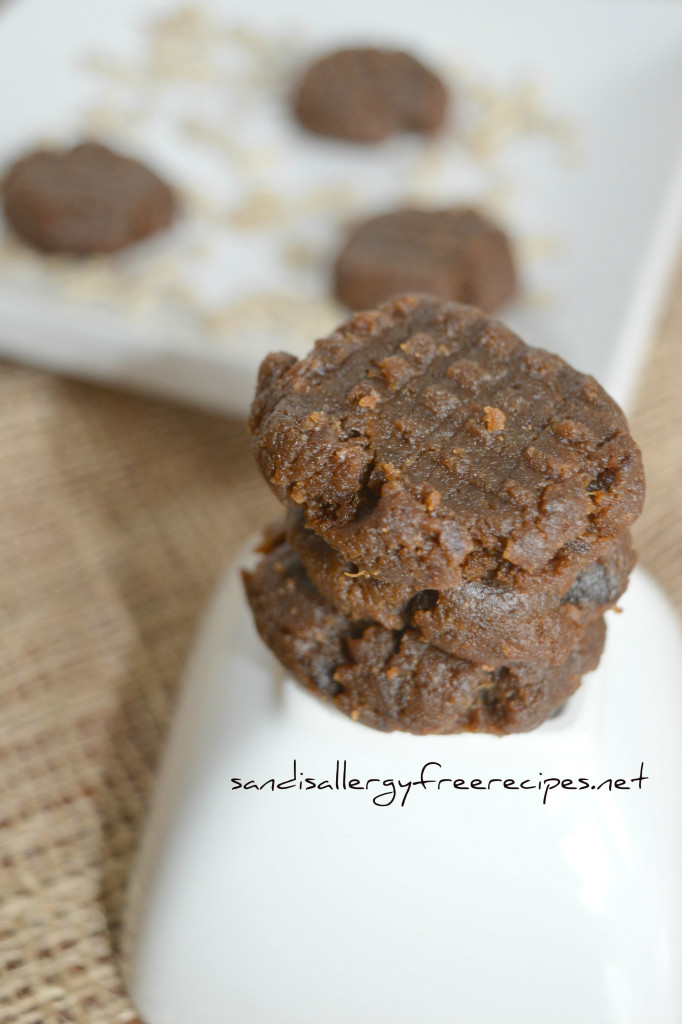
117,516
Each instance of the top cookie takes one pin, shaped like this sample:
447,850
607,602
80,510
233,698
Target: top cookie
84,200
366,95
423,437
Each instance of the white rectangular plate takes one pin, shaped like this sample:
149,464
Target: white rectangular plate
591,166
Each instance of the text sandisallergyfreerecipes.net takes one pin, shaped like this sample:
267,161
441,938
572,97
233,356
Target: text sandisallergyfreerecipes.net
388,791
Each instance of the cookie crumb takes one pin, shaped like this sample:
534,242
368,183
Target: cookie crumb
494,418
431,500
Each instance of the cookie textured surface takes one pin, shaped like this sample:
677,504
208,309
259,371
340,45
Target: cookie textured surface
366,95
479,621
84,200
425,442
391,679
453,254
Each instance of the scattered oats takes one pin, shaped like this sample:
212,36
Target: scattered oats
263,158
182,45
138,302
537,247
199,249
499,199
501,115
202,205
89,281
202,131
107,66
103,119
246,159
255,43
275,311
181,294
540,298
334,202
274,57
429,168
300,255
259,209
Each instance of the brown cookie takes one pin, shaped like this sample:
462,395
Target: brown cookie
478,621
391,679
365,95
423,441
452,254
84,200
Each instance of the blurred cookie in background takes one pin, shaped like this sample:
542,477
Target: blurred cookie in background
84,200
455,254
368,94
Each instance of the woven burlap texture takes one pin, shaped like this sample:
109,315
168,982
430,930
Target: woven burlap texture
117,516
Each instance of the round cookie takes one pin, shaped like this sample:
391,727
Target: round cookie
478,621
423,440
366,95
452,254
84,200
392,680
343,585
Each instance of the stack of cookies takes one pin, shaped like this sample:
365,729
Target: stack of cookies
457,525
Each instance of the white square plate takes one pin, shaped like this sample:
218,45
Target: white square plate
609,73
